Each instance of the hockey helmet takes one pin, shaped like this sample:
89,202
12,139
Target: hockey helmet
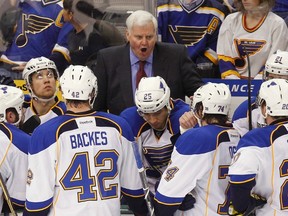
152,95
274,93
10,97
215,98
79,83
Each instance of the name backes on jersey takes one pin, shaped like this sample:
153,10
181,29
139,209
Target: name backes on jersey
86,139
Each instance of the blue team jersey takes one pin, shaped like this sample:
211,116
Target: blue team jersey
40,30
139,125
81,163
280,6
197,28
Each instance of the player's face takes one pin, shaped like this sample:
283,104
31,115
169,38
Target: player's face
142,40
250,4
158,119
44,83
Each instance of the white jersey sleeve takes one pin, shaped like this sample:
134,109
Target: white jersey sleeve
14,162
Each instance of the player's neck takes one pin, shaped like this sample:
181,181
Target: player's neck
42,107
77,108
269,120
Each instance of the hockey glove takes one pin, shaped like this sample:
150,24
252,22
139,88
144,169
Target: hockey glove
255,203
187,203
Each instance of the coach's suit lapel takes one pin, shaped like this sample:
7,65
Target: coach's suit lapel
125,78
159,62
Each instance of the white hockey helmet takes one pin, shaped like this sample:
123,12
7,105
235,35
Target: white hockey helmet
152,95
36,64
215,98
277,64
79,83
274,93
10,97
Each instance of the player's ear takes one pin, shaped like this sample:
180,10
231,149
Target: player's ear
263,109
11,116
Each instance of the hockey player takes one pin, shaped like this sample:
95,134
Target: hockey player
275,67
201,157
194,23
40,31
154,121
253,32
81,162
41,76
14,145
260,164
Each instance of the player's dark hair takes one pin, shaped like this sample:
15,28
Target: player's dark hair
13,110
218,119
76,103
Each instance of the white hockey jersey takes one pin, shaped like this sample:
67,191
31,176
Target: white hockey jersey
79,164
13,162
262,154
199,163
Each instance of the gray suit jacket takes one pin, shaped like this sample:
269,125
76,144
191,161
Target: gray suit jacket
113,71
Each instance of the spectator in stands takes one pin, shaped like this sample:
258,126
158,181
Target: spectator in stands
196,25
117,66
40,32
86,39
247,38
41,75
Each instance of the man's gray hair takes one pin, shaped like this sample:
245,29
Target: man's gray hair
140,18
